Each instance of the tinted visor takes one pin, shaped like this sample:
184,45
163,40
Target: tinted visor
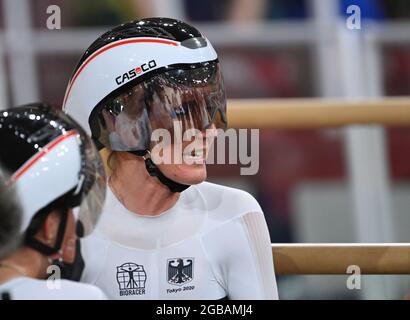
90,193
178,99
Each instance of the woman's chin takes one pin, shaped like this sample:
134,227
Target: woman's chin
186,173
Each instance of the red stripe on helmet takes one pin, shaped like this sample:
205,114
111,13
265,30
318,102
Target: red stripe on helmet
103,49
31,162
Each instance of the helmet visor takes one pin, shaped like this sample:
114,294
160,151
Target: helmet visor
177,99
90,193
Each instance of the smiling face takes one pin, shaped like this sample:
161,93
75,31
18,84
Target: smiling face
186,162
175,115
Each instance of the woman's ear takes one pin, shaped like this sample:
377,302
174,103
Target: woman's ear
48,232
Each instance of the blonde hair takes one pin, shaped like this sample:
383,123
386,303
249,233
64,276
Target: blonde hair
108,157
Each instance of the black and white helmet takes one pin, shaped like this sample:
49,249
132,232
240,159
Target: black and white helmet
144,75
51,161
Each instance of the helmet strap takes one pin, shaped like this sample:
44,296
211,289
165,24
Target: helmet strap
153,171
33,243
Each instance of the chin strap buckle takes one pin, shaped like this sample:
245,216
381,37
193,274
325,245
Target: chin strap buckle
147,155
153,171
150,165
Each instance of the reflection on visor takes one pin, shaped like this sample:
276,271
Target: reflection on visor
187,98
92,186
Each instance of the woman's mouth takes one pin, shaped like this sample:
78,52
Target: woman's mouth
196,156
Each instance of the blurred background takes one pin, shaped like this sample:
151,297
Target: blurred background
333,185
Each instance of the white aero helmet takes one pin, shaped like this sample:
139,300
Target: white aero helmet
52,164
144,75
